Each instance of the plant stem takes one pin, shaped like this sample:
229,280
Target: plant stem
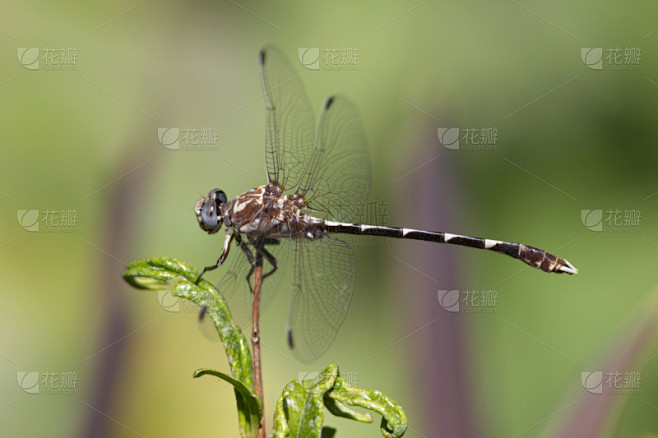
255,340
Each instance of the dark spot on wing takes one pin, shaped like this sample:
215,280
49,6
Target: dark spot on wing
328,102
290,343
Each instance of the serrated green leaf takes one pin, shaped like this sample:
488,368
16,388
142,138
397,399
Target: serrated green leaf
394,420
299,411
249,408
164,272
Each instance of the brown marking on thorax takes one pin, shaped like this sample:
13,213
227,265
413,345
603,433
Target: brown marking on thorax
265,210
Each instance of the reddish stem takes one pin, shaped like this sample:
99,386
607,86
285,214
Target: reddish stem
255,341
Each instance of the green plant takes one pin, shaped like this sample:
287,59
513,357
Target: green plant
300,408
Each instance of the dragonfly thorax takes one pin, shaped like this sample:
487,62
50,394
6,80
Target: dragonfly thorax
265,210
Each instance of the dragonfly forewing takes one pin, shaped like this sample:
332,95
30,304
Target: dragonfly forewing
337,178
290,123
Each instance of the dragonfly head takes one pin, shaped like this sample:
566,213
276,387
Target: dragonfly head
209,212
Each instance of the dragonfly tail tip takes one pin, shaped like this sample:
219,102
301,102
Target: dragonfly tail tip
568,268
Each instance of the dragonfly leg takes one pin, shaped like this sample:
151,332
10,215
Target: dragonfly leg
247,252
270,258
252,262
259,246
222,257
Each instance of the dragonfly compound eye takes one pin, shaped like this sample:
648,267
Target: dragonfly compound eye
208,215
218,195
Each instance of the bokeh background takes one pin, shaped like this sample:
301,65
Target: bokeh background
86,186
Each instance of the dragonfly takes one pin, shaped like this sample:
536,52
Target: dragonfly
318,180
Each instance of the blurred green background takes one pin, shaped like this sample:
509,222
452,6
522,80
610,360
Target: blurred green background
80,139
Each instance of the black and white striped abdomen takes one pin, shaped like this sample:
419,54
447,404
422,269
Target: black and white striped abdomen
535,257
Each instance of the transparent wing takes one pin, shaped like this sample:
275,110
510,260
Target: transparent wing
323,279
289,119
234,287
337,178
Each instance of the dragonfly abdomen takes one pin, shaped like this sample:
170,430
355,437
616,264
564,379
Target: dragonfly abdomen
535,257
